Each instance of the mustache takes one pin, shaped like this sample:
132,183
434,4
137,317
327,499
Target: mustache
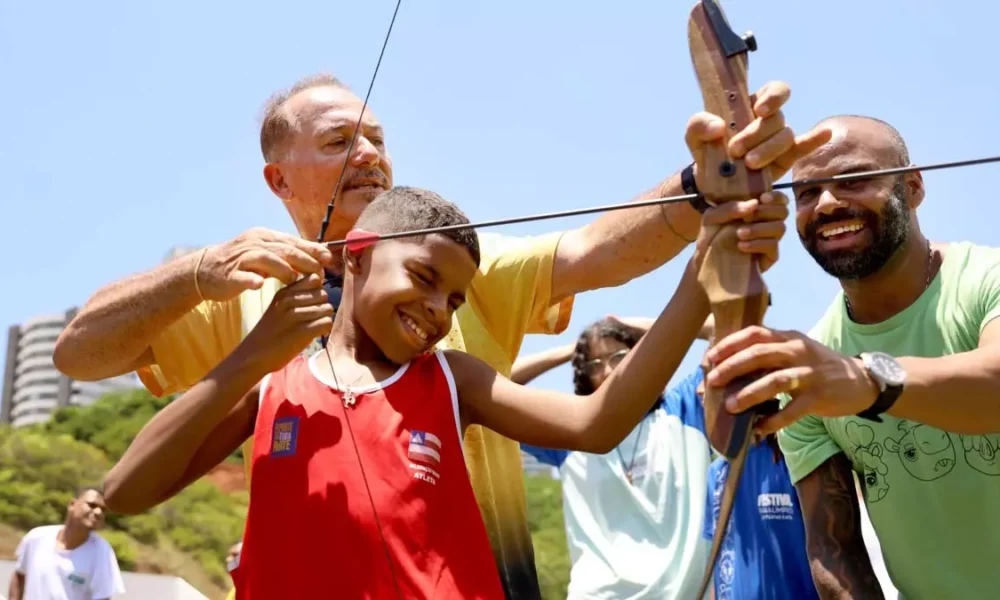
843,214
366,177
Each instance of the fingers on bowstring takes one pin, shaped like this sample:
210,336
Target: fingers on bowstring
267,264
296,257
247,280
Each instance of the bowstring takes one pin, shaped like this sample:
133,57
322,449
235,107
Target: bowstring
326,346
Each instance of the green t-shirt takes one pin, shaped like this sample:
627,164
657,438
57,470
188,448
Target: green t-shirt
933,496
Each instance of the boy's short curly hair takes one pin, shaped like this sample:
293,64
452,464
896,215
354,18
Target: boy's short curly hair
405,208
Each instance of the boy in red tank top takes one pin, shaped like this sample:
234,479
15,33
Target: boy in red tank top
359,487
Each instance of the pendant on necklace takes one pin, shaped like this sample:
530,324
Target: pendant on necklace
349,399
628,475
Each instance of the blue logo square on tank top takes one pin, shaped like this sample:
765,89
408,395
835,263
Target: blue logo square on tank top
284,436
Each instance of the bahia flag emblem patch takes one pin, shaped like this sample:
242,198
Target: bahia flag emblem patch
424,454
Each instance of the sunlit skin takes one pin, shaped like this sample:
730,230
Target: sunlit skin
402,306
861,145
305,172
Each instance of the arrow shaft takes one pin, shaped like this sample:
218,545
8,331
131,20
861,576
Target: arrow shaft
675,199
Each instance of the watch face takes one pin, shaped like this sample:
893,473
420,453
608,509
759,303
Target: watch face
886,368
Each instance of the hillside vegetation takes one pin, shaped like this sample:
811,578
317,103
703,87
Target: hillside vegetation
187,536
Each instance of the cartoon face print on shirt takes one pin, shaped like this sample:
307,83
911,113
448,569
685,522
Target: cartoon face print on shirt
982,452
926,453
868,453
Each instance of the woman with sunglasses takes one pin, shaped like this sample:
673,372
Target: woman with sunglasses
634,516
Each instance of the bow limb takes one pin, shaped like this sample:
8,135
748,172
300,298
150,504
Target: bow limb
731,279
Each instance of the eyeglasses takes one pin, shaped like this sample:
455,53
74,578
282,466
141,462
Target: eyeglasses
612,360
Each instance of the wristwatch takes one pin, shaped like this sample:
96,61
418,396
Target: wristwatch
889,376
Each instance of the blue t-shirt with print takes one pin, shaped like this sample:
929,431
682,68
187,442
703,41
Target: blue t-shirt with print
763,555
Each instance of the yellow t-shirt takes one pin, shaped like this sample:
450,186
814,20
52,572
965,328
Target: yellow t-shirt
509,298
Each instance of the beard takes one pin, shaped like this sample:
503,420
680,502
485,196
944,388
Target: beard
890,228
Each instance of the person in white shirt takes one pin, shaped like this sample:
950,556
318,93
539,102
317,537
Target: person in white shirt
633,516
68,561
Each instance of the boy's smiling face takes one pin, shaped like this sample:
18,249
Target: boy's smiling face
406,290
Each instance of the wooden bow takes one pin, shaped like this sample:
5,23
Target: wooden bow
731,278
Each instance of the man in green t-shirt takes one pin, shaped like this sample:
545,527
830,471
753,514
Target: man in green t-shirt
912,344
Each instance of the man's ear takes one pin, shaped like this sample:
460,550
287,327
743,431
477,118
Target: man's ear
914,188
275,179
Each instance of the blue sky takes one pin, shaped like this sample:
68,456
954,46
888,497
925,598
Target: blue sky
132,127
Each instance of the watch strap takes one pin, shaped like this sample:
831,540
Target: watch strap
690,186
883,402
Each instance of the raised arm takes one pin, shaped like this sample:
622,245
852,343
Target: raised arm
208,422
599,421
625,244
531,366
112,333
838,557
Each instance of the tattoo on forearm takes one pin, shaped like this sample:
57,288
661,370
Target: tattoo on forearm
838,558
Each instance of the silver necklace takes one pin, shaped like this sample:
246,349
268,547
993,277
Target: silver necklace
635,448
349,398
927,283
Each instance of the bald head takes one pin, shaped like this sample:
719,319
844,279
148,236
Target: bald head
282,112
880,139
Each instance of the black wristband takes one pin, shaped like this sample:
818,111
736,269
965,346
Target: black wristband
689,186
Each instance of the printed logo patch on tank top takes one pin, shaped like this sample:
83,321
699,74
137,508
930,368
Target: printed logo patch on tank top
425,454
285,436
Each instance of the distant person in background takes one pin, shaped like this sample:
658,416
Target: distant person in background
68,561
634,516
233,561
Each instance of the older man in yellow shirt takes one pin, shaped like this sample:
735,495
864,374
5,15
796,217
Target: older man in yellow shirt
173,324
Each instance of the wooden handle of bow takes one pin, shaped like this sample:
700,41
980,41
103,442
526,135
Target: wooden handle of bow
731,279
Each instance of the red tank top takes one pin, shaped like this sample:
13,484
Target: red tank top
311,531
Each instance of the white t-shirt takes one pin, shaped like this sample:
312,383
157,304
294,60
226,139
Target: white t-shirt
639,541
88,572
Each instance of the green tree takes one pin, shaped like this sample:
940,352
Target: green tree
112,422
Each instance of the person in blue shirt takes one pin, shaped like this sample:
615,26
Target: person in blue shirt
763,555
634,516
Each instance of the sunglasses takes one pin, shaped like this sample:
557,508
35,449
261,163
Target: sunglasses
594,366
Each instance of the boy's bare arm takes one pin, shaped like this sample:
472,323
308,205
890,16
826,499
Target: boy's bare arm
599,421
594,423
185,440
199,429
831,513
